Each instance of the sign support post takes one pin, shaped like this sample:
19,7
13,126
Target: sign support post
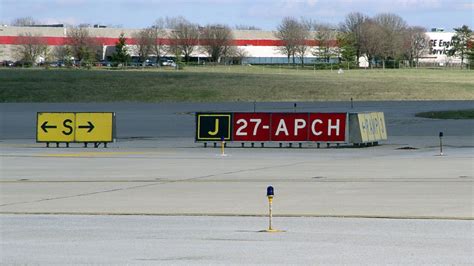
223,147
441,143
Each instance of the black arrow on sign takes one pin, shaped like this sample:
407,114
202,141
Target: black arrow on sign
90,126
45,126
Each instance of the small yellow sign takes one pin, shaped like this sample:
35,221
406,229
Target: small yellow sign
382,127
94,127
75,127
55,127
372,126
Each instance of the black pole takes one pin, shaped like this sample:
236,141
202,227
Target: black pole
440,143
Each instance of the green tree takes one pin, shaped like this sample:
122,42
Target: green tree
348,46
460,41
353,24
121,56
324,36
470,55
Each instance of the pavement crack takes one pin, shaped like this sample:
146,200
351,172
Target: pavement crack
73,196
147,185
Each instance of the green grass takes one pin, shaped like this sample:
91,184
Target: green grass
455,114
238,83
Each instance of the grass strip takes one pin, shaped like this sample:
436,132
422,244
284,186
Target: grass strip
453,114
231,84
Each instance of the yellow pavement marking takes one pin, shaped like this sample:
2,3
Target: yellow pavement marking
22,145
88,154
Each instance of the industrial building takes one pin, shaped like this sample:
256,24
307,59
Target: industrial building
261,47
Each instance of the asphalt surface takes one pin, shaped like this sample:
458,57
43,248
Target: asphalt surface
76,239
176,120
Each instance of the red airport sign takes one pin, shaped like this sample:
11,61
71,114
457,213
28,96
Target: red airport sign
328,127
290,127
278,127
251,127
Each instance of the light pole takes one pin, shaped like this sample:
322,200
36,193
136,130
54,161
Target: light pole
270,194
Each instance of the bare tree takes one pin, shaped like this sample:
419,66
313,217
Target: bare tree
370,38
144,43
159,34
184,35
392,37
216,41
353,26
287,33
24,22
246,27
30,48
61,53
239,54
233,54
416,43
303,34
325,34
83,47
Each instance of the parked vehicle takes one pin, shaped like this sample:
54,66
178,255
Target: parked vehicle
8,63
105,63
168,63
149,63
58,63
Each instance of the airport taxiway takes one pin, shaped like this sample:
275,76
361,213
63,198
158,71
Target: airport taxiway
186,204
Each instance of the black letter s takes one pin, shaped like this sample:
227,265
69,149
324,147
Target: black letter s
65,124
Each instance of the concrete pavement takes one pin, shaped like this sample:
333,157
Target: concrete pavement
188,205
152,240
373,182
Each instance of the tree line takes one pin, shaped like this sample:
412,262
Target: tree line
176,36
180,38
383,38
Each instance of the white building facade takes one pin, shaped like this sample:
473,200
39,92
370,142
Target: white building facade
261,47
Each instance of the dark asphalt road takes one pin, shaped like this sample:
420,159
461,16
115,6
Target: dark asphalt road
146,120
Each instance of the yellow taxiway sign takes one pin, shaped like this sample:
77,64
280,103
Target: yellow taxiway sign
75,127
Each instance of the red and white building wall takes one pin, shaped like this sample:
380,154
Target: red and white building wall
260,46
